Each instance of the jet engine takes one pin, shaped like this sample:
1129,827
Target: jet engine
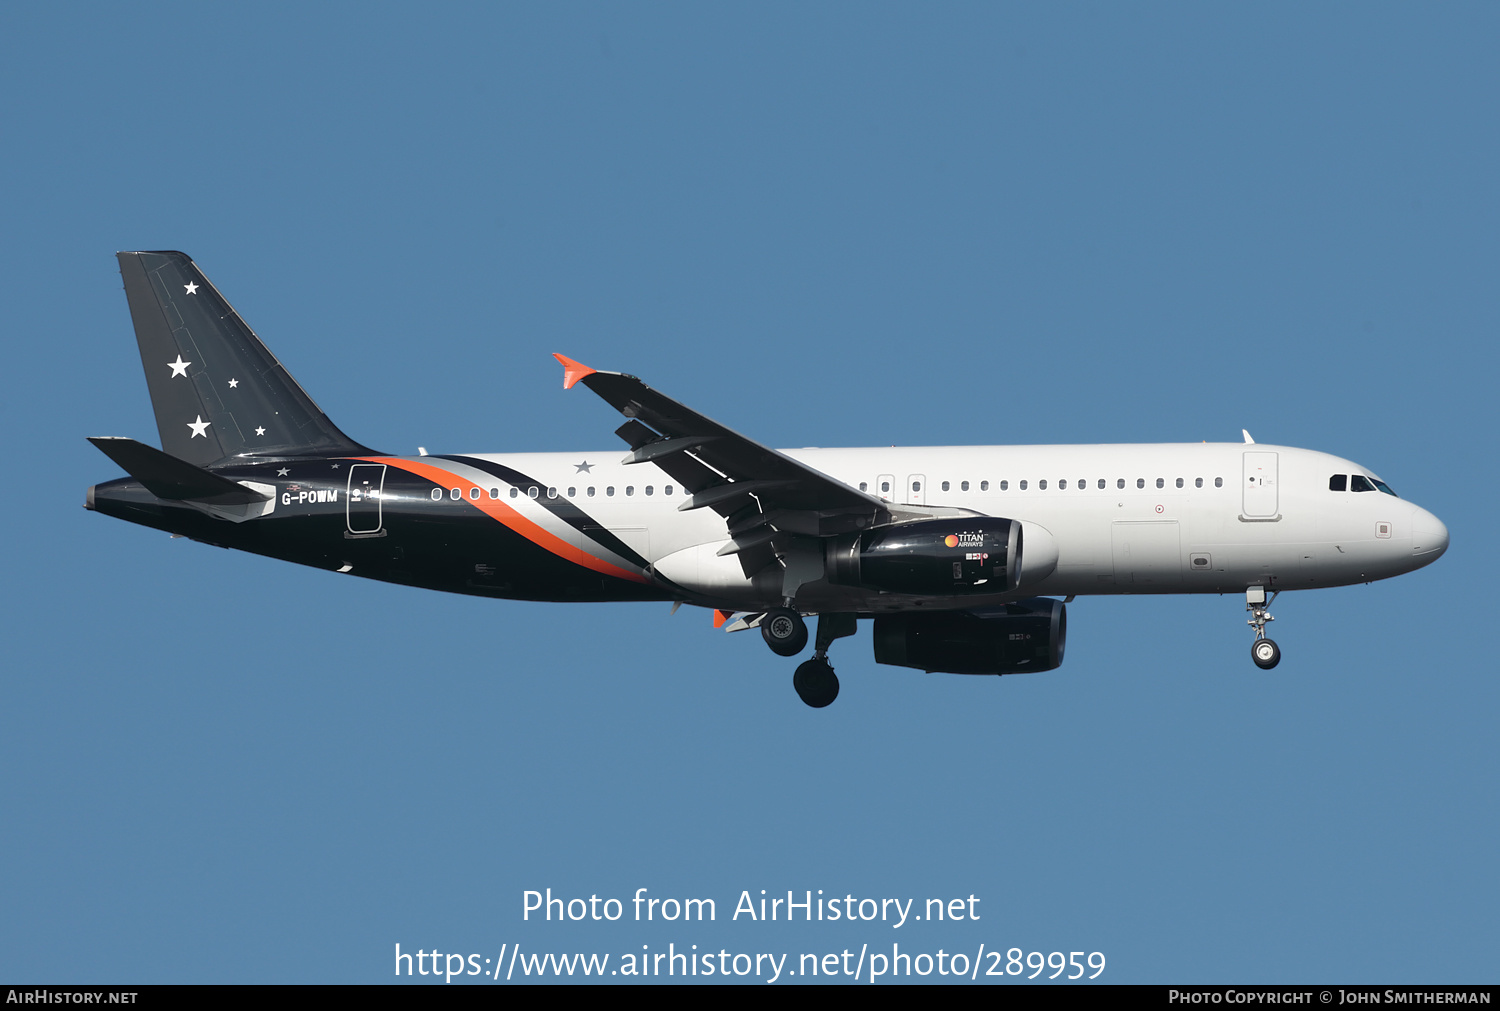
1028,635
979,555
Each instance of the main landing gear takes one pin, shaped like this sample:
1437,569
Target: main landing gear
786,633
1263,651
816,683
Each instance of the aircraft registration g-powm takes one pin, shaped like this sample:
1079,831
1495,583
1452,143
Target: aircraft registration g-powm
956,553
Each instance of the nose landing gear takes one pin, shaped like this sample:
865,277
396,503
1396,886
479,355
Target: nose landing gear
1263,651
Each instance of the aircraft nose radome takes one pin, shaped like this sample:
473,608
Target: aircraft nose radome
1429,537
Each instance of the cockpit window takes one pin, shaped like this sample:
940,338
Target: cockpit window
1385,488
1360,483
1339,482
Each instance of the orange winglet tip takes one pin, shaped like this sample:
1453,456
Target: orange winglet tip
573,371
722,616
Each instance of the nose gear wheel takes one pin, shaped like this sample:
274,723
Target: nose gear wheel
1263,651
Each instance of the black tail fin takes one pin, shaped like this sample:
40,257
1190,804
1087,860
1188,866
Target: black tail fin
217,391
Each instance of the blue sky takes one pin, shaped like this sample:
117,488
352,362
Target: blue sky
822,225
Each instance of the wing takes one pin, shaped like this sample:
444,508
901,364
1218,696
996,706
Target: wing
760,493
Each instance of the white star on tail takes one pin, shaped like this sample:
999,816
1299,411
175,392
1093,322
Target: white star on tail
260,431
233,383
191,289
179,367
199,427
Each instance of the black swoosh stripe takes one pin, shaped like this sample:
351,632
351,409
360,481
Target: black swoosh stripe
561,507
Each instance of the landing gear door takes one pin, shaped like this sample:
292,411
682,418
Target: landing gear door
1260,485
366,484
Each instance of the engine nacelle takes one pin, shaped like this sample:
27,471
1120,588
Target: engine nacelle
1026,636
932,557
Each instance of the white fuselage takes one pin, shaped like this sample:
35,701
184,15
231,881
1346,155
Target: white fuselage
1170,518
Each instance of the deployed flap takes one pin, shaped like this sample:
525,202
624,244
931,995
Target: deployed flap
169,478
776,480
217,391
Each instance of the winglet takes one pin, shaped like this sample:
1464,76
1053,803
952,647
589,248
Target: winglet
573,371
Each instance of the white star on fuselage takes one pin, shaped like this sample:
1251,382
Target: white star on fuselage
233,383
179,367
191,289
199,427
583,468
283,472
260,431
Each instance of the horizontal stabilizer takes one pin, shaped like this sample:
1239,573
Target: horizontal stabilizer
172,479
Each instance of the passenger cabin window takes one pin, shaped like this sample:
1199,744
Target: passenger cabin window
514,492
572,492
650,490
1062,485
864,486
1179,482
1197,482
963,486
1021,485
1218,482
945,486
1042,485
1101,484
1360,483
1140,482
1161,482
1339,482
1120,483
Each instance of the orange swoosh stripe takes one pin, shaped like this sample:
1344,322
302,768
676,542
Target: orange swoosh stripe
498,510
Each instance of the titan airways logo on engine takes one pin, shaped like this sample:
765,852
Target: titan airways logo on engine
964,540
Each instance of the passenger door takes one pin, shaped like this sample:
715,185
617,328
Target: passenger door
1259,486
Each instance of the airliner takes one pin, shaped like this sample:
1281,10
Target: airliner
957,554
